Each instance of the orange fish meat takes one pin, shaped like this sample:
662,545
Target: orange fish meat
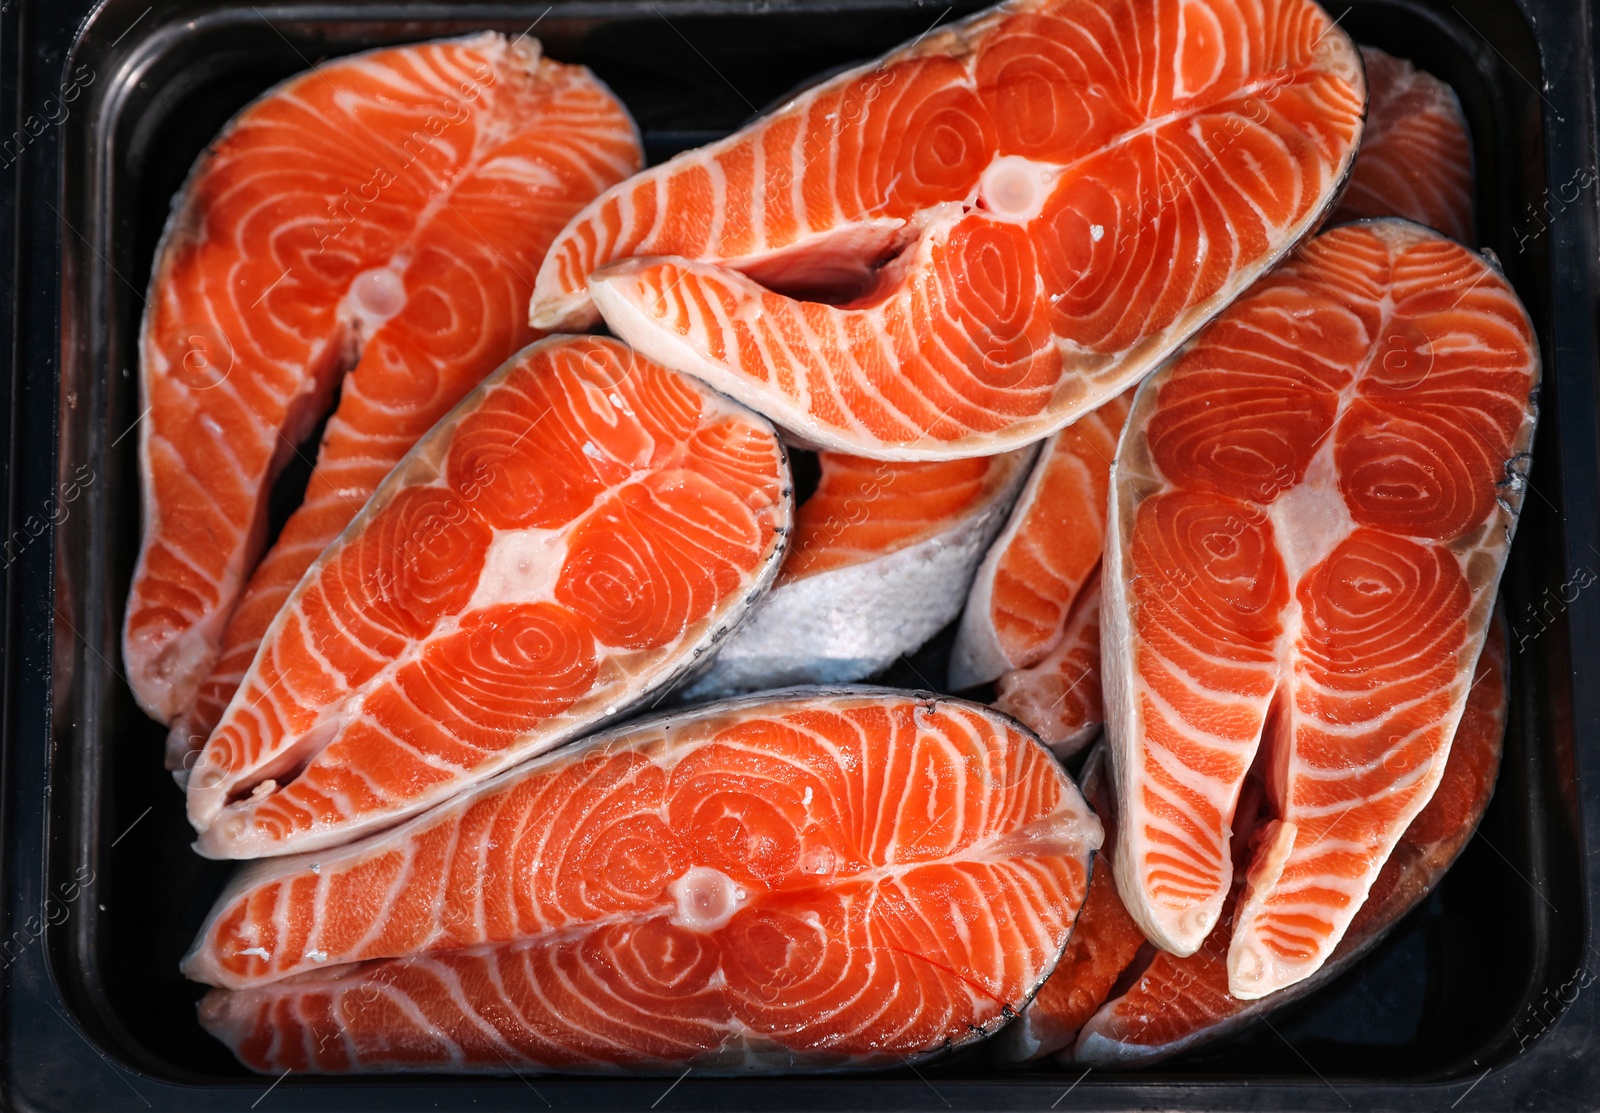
384,214
1105,940
830,879
1177,1004
974,241
1058,698
573,537
1415,159
880,561
1017,609
1310,513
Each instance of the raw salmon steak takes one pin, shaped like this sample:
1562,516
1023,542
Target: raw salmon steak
1017,609
1415,159
1177,1004
974,241
1308,519
571,538
880,561
816,878
1058,698
386,214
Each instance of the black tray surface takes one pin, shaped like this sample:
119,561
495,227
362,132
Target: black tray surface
1481,999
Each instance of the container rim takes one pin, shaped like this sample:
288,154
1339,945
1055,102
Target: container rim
62,1063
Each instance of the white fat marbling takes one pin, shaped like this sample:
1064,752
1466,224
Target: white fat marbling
521,567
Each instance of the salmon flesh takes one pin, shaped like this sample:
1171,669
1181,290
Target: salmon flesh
972,242
383,215
575,536
1309,515
816,878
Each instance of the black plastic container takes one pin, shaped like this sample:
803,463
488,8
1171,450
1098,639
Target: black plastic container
1480,999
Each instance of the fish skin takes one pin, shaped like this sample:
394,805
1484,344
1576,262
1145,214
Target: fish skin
1415,159
1058,698
983,333
574,866
1285,546
503,591
1181,1003
880,561
1016,612
329,228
